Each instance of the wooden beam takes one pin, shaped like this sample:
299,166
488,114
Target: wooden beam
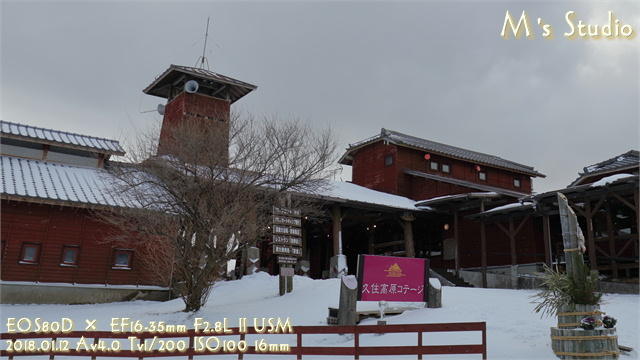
624,201
483,247
514,257
591,242
546,235
612,244
456,240
336,222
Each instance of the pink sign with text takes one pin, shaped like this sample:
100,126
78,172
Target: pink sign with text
392,278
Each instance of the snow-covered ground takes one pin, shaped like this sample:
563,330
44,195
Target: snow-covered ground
514,331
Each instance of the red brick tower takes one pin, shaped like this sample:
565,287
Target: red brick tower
197,96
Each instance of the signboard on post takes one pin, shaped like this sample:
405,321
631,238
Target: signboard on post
287,243
287,234
392,278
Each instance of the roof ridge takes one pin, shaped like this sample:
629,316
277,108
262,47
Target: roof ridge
613,160
56,131
452,147
61,137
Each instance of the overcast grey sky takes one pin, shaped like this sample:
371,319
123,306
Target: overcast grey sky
436,70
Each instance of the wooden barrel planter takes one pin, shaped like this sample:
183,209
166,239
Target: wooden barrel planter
569,316
599,343
569,341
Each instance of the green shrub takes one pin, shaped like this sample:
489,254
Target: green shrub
560,289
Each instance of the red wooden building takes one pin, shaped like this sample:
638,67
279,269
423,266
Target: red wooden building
52,184
452,183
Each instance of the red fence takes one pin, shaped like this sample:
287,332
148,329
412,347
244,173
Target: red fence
191,344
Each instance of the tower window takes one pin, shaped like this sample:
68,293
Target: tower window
388,160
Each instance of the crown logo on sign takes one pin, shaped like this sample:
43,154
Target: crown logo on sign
394,271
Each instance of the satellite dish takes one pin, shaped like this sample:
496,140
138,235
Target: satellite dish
160,109
191,86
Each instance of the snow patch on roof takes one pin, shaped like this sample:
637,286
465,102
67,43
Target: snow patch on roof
609,179
352,192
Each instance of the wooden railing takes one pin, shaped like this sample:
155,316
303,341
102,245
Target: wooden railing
192,344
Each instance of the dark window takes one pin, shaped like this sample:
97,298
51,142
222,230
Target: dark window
388,160
434,166
70,255
517,183
122,259
482,175
446,168
30,253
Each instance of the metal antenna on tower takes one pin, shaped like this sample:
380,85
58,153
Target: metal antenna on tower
202,59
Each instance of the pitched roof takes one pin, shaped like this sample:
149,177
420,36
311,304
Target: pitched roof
217,84
34,180
60,138
626,161
25,179
395,137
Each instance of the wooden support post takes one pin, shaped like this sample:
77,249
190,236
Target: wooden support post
546,230
289,281
336,220
512,241
591,243
371,234
407,226
611,240
483,248
456,240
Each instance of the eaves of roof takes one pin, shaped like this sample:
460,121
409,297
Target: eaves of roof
177,74
465,183
60,138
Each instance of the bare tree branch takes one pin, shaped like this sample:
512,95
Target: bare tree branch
202,199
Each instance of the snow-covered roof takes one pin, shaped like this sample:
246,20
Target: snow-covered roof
348,192
40,180
627,161
610,179
395,137
60,138
33,179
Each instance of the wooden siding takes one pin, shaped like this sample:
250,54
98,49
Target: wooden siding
53,228
198,108
369,170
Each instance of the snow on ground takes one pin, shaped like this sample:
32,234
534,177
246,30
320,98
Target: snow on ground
514,331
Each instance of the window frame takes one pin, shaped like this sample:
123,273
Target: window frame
388,160
63,256
448,168
23,251
434,165
482,175
114,263
517,183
